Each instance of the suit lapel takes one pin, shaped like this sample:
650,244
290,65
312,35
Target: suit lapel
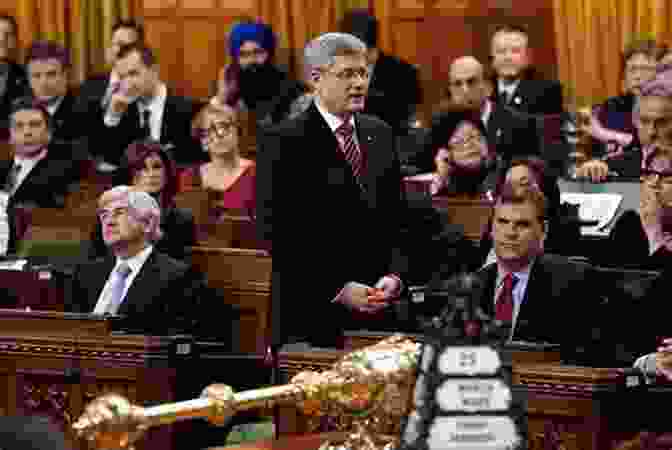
100,275
367,138
489,277
63,111
538,286
36,173
144,284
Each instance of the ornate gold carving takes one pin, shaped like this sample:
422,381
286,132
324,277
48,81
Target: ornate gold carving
47,398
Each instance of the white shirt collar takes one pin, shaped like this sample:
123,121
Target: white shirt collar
486,111
332,120
158,100
53,107
509,88
136,262
522,275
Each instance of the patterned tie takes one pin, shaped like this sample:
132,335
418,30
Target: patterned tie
350,149
117,289
146,127
504,306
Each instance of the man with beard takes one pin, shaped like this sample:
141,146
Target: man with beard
252,82
13,81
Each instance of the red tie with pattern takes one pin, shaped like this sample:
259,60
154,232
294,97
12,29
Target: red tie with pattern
350,149
504,306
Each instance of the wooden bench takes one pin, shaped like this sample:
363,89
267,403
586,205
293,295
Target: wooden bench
472,213
244,278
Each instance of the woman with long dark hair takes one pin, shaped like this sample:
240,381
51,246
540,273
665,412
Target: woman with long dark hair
147,167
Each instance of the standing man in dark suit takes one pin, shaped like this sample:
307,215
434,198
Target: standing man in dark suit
41,170
48,65
144,109
13,81
347,229
156,293
394,88
515,84
544,298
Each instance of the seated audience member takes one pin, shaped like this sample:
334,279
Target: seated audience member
530,174
13,80
48,65
464,162
394,86
643,239
516,82
228,176
42,170
156,293
509,134
148,168
142,108
538,294
617,147
252,82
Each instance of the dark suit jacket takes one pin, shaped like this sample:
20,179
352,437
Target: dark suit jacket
534,95
17,86
558,303
47,183
334,235
629,237
394,91
179,234
64,123
164,298
175,132
616,114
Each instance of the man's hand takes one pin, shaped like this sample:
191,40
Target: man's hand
594,169
111,421
224,397
356,296
442,163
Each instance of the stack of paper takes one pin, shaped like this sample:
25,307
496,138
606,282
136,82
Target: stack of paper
594,207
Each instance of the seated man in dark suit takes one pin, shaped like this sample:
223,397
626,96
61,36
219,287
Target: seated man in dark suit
48,63
543,297
515,83
155,293
143,108
95,92
394,89
41,170
13,81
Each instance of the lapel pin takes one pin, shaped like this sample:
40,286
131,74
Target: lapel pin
516,100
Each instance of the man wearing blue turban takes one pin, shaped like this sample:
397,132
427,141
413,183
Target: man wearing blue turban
252,81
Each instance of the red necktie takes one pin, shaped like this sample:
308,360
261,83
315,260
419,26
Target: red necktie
504,306
350,149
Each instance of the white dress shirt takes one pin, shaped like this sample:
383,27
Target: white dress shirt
519,290
27,165
508,88
486,112
334,122
134,263
155,106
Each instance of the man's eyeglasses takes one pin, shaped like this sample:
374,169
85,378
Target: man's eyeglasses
114,213
654,176
352,74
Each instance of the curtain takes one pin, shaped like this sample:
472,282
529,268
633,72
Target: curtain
83,26
591,35
298,21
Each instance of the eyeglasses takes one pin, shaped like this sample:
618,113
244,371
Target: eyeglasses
654,176
219,129
115,213
647,69
351,74
251,53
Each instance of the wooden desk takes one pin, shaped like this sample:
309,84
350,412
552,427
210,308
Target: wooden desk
296,442
244,276
53,366
581,408
41,290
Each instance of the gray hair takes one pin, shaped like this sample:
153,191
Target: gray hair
320,52
141,206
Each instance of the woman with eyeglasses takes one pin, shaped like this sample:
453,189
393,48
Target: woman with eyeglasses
230,177
464,163
643,240
146,166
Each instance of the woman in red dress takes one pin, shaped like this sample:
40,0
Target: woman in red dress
228,176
